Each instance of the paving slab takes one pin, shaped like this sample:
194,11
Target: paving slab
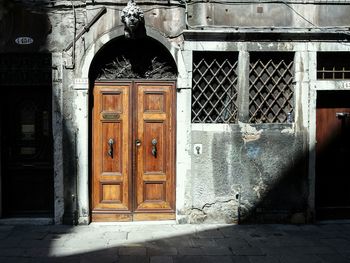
162,251
190,251
301,259
132,251
264,259
161,259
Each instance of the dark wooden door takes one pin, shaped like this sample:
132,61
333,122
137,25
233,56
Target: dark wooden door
27,166
332,155
133,151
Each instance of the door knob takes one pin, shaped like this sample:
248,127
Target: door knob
138,142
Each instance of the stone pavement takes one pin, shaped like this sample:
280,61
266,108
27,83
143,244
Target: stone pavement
171,243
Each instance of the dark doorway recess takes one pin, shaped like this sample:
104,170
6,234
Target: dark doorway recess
332,155
26,135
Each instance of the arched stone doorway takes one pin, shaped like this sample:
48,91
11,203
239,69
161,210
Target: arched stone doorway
133,106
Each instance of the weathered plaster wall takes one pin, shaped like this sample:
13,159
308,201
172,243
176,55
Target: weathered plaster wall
259,170
257,15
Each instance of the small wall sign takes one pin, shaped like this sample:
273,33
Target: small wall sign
24,40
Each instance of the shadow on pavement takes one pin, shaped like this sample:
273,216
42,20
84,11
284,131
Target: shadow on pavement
325,243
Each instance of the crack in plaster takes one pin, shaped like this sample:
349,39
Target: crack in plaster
208,205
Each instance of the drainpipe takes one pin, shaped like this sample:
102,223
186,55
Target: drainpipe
186,13
238,197
87,27
72,66
75,194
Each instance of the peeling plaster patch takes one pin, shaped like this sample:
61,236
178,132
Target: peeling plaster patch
288,131
249,133
196,216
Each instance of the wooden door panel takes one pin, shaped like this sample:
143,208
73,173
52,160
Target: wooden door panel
111,149
112,165
154,130
155,171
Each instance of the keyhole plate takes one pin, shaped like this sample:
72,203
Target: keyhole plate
197,149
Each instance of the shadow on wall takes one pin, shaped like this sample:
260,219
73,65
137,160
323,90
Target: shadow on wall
278,173
251,177
26,64
25,80
22,29
285,198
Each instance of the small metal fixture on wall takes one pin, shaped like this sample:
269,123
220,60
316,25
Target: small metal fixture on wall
133,19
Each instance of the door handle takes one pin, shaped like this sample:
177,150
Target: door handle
154,147
341,115
110,150
138,142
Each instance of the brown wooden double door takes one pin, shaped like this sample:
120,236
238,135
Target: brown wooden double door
133,129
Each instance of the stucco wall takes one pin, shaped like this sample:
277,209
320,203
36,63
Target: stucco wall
260,170
257,15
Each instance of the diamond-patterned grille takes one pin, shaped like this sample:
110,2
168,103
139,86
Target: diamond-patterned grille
214,91
270,87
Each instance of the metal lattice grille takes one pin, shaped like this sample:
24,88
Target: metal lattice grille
25,69
270,87
333,65
214,91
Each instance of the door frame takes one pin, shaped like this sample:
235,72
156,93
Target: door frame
134,216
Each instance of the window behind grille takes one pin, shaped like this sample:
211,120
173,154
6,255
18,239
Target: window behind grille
270,87
333,65
214,91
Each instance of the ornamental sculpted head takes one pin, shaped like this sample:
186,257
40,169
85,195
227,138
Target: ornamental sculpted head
133,20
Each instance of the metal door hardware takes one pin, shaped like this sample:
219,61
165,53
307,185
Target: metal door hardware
138,142
197,149
154,147
342,115
110,150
